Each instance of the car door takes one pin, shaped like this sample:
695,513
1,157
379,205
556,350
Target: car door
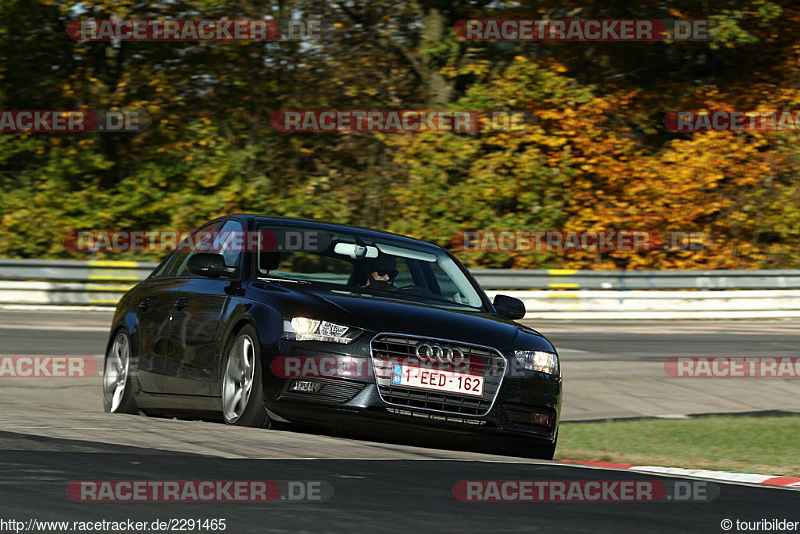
154,301
155,308
198,309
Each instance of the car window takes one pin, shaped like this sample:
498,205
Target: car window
404,276
230,250
176,263
224,240
309,266
343,260
158,272
445,285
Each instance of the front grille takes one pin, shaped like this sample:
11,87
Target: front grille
388,349
437,418
331,390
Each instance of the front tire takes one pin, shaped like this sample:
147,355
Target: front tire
117,382
242,382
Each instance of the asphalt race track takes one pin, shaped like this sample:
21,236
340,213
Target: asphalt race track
54,432
379,495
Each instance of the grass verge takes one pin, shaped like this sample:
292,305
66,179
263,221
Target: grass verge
766,445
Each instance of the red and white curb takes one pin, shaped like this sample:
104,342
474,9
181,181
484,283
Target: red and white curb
724,476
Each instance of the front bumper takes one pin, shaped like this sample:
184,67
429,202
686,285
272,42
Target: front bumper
526,406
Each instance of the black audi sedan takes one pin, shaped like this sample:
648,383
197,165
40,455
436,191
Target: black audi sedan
262,321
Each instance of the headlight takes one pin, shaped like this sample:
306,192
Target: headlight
537,360
305,329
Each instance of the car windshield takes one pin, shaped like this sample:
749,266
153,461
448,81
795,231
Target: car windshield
356,264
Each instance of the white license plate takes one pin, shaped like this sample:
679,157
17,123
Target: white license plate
426,378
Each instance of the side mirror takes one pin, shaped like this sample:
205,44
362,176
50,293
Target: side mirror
509,307
208,264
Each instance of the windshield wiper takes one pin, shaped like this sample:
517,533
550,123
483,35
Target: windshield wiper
278,279
412,297
441,300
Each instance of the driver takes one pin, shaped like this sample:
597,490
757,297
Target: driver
381,272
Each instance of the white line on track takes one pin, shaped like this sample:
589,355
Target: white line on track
711,476
654,471
55,327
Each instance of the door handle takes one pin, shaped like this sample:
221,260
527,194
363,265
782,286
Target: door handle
144,305
180,304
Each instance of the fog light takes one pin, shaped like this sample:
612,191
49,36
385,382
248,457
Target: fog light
305,386
541,418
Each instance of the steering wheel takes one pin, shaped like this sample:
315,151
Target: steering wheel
419,290
407,287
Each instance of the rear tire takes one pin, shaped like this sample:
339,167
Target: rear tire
242,382
117,381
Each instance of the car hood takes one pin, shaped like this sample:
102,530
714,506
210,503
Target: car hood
385,315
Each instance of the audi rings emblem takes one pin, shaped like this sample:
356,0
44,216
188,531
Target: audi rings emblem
428,353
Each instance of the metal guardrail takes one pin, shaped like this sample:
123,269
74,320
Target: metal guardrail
132,271
628,280
552,293
75,271
65,282
678,304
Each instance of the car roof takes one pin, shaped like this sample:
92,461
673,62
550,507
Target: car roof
323,225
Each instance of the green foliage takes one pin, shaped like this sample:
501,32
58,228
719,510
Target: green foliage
598,156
